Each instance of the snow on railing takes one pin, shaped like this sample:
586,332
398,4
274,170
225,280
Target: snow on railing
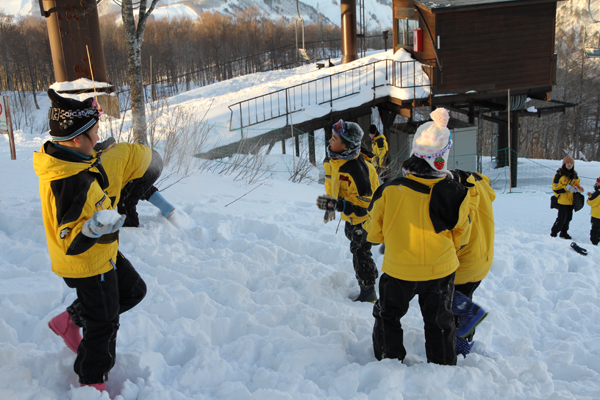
406,75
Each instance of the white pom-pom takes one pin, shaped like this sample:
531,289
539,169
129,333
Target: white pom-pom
440,117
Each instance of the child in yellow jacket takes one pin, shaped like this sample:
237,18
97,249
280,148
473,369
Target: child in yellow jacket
380,149
82,232
423,219
565,183
475,257
350,182
132,170
594,202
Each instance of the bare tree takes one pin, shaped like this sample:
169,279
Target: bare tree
134,35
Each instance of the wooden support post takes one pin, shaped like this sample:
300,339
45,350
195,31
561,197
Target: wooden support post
327,137
502,156
297,144
311,148
514,146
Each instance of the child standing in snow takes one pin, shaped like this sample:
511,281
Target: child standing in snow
350,182
83,240
594,202
475,257
132,170
422,218
565,183
380,149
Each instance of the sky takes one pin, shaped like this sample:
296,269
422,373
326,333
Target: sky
250,294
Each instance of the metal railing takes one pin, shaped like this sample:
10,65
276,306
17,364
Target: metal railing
407,75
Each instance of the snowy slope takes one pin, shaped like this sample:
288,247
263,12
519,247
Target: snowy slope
249,298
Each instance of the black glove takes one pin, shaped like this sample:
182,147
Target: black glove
328,203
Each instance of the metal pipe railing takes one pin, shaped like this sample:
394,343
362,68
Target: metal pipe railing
338,85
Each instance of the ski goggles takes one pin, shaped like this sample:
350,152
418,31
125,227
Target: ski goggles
338,127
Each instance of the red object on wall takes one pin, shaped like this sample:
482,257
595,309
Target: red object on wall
417,40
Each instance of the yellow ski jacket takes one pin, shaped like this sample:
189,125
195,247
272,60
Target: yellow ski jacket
422,222
71,190
477,256
594,202
559,186
380,149
124,162
355,181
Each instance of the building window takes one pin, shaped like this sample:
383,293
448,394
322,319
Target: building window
406,21
405,28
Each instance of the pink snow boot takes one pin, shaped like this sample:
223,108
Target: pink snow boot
64,327
100,386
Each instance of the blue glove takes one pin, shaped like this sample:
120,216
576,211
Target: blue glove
94,229
166,209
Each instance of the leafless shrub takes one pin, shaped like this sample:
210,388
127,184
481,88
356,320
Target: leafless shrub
114,127
23,110
184,135
252,166
154,111
301,170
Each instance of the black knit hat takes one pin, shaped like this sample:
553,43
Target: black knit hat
70,118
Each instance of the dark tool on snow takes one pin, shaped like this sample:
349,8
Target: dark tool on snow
578,249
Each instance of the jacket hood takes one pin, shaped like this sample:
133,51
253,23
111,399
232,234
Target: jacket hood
58,165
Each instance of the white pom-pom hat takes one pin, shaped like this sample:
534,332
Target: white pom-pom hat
433,140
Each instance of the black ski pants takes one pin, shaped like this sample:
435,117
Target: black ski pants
100,301
362,258
595,231
565,215
435,300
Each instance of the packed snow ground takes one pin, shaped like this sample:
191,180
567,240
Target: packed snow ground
249,298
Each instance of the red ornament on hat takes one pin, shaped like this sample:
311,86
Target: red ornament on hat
439,163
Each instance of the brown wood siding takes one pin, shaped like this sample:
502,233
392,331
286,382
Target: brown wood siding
427,53
492,49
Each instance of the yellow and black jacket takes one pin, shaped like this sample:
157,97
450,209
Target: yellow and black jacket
124,162
423,222
71,190
559,186
354,181
477,256
594,202
380,149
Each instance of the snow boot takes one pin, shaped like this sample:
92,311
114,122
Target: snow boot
565,235
64,327
469,314
100,386
463,346
367,294
166,208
